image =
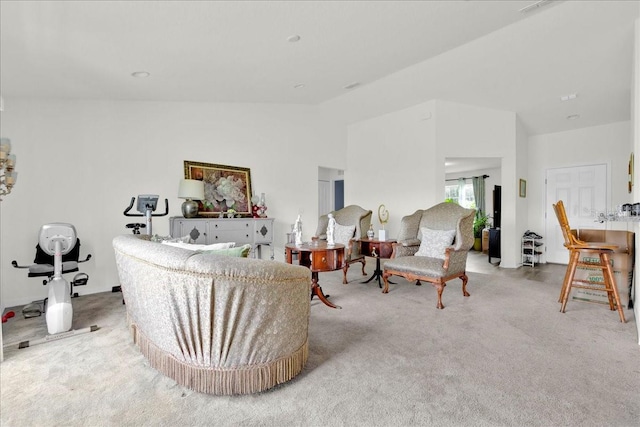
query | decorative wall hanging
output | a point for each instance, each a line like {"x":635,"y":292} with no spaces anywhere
{"x":226,"y":188}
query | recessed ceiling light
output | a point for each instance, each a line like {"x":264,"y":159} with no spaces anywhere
{"x":573,"y":117}
{"x":299,"y":86}
{"x":140,"y":74}
{"x":569,"y":97}
{"x":352,"y":85}
{"x":294,"y":38}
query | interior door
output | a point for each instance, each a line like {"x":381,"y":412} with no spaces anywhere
{"x":583,"y":189}
{"x":324,"y":197}
{"x":338,"y":194}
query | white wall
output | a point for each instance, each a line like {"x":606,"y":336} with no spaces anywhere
{"x":397,"y":159}
{"x":635,"y":125}
{"x":390,"y":161}
{"x":608,"y":144}
{"x":472,"y":131}
{"x":82,"y":161}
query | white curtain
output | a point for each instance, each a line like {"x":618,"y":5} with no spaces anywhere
{"x":461,"y":183}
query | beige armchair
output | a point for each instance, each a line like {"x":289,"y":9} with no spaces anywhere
{"x":432,"y":246}
{"x":349,"y":216}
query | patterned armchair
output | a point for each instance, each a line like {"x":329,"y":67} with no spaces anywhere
{"x":346,"y":218}
{"x":432,"y":246}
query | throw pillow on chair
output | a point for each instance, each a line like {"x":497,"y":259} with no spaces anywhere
{"x":434,"y":242}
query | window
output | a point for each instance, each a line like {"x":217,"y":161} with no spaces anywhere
{"x":466,"y":199}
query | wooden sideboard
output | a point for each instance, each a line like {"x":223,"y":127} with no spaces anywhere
{"x":255,"y":231}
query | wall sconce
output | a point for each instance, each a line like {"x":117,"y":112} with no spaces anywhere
{"x":191,"y":190}
{"x":7,"y":163}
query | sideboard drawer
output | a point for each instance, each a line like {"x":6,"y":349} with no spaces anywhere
{"x":230,"y":224}
{"x":224,"y":236}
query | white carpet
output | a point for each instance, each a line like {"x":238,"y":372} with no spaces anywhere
{"x":504,"y":356}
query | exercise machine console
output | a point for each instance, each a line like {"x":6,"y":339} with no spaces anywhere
{"x":147,"y":204}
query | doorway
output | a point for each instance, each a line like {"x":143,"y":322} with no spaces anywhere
{"x":583,"y":189}
{"x":330,"y":190}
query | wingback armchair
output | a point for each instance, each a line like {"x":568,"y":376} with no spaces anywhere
{"x":347,"y":217}
{"x":432,"y":246}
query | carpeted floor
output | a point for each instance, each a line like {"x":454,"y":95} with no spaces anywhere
{"x":504,"y":356}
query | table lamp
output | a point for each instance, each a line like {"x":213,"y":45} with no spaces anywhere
{"x":190,"y":189}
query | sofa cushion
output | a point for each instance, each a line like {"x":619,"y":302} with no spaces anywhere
{"x":344,"y":233}
{"x":240,"y":251}
{"x":198,"y":247}
{"x":420,"y":266}
{"x":434,"y":242}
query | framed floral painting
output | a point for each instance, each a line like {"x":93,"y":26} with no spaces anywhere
{"x":225,"y":187}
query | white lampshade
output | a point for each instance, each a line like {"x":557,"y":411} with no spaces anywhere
{"x":191,"y":189}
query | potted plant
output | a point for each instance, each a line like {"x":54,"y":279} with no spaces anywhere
{"x":479,"y":223}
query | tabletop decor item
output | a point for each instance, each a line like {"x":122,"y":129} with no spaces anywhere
{"x":331,"y":230}
{"x":225,"y":188}
{"x":297,"y":230}
{"x":192,"y":191}
{"x":383,"y":217}
{"x":262,"y":206}
{"x":370,"y":233}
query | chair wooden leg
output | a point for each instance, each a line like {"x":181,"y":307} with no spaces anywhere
{"x":571,"y":271}
{"x":344,"y":270}
{"x":385,"y":276}
{"x":439,"y":288}
{"x":612,"y":287}
{"x":606,"y":266}
{"x":364,"y":262}
{"x":465,"y":279}
{"x":565,"y":282}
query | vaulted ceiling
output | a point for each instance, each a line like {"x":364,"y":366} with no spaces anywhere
{"x":486,"y":53}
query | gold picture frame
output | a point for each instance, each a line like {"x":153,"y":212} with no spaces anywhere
{"x":523,"y":188}
{"x":225,"y":187}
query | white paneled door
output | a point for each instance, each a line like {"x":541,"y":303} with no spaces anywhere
{"x":583,"y":189}
{"x":324,"y":197}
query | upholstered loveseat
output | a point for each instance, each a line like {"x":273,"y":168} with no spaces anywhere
{"x":215,"y":324}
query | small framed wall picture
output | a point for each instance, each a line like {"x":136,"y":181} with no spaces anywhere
{"x":523,"y":188}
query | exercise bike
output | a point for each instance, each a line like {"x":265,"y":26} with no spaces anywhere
{"x":147,"y":204}
{"x":57,"y":240}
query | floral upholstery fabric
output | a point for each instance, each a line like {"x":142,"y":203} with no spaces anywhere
{"x":196,"y":247}
{"x":349,"y":215}
{"x":434,"y":242}
{"x":344,"y":233}
{"x":441,"y":236}
{"x":215,"y":324}
{"x":240,"y":251}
